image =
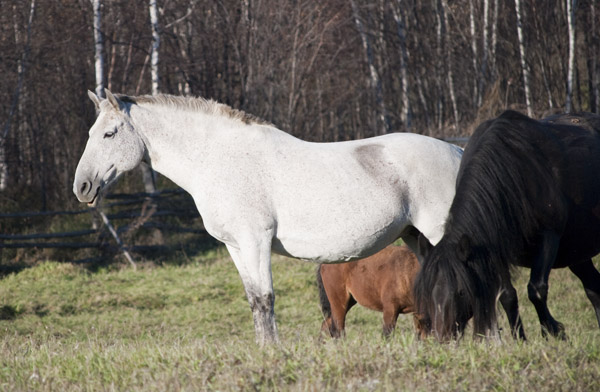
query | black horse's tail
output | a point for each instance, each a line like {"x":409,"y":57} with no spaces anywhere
{"x":323,"y":300}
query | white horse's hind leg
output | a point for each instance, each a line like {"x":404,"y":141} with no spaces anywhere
{"x":253,"y":262}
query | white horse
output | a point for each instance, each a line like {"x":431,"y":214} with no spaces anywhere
{"x":259,"y":189}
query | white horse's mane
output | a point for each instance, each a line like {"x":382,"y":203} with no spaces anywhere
{"x":199,"y":104}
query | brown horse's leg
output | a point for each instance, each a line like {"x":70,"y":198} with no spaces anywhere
{"x":338,"y":314}
{"x":340,"y":301}
{"x":390,"y":316}
{"x":590,"y":277}
{"x":326,"y":326}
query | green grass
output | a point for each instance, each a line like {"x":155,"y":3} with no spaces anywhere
{"x":189,"y":327}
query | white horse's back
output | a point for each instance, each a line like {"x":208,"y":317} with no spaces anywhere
{"x":341,"y":201}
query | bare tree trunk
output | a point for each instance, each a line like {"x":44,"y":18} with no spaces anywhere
{"x":419,"y":84}
{"x":439,"y":30}
{"x":541,"y":37}
{"x":148,"y":175}
{"x":444,"y":18}
{"x":398,"y":12}
{"x":375,"y":80}
{"x":476,"y":71}
{"x":21,"y":68}
{"x":321,"y":131}
{"x":292,"y":93}
{"x":184,"y":35}
{"x":524,"y":65}
{"x":571,"y":7}
{"x":248,"y":47}
{"x":484,"y":78}
{"x":494,"y":39}
{"x":594,"y":67}
{"x":155,"y":46}
{"x":381,"y":57}
{"x":98,"y":45}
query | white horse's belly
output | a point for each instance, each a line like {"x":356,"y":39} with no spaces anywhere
{"x":345,"y":248}
{"x":331,"y":235}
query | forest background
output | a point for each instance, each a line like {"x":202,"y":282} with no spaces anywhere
{"x":323,"y":71}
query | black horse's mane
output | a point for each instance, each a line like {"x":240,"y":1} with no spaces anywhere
{"x":501,"y":183}
{"x":494,"y":217}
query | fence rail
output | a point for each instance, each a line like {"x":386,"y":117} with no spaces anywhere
{"x":138,"y":210}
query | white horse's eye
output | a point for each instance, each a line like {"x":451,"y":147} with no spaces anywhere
{"x":109,"y":135}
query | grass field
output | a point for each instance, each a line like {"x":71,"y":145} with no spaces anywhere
{"x":189,"y":327}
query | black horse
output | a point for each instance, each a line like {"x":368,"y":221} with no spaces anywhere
{"x":527,"y":194}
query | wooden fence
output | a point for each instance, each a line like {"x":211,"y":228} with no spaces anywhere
{"x":167,"y":211}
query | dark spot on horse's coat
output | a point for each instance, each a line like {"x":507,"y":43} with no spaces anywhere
{"x":262,"y":303}
{"x":370,"y":158}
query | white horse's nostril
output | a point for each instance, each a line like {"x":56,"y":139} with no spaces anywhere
{"x":83,"y":188}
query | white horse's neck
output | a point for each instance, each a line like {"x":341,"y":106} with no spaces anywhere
{"x":182,"y":144}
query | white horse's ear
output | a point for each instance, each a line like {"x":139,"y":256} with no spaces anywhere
{"x":94,"y":99}
{"x":114,"y":101}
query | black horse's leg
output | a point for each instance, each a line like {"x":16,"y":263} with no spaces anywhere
{"x":417,"y":242}
{"x":590,"y":277}
{"x":510,"y":303}
{"x":537,"y":288}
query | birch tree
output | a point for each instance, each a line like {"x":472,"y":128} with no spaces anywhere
{"x":522,"y":52}
{"x":148,"y":175}
{"x":571,"y":7}
{"x":155,"y":46}
{"x":99,"y":63}
{"x":494,"y":38}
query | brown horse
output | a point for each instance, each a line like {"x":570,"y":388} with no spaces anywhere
{"x":382,"y":282}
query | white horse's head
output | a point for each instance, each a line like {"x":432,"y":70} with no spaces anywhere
{"x":113,"y":148}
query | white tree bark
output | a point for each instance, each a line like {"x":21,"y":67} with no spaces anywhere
{"x":148,"y":175}
{"x":571,"y":7}
{"x":98,"y":46}
{"x":522,"y":52}
{"x":375,"y":80}
{"x":155,"y":46}
{"x":494,"y":38}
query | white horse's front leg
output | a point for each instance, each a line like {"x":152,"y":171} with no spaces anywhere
{"x":253,"y":261}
